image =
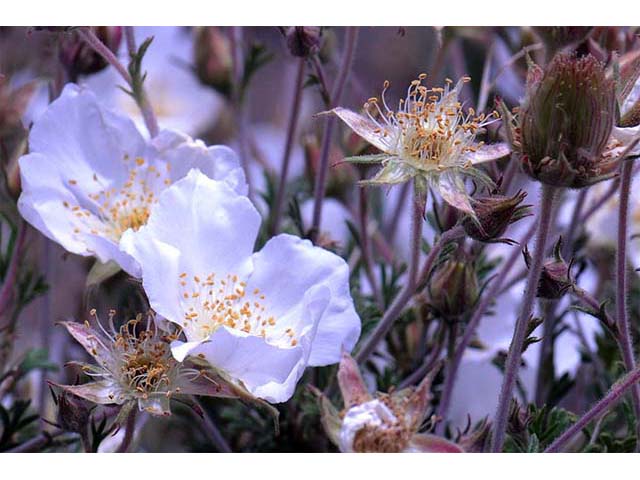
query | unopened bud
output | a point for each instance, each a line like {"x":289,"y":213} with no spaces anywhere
{"x":79,"y":58}
{"x":453,"y":289}
{"x":555,"y":279}
{"x":494,"y":214}
{"x":566,"y":121}
{"x":73,"y":413}
{"x":213,"y":60}
{"x":303,"y":41}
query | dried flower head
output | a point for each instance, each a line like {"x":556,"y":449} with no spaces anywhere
{"x":429,"y":138}
{"x":566,"y":122}
{"x":384,"y":422}
{"x":134,"y":364}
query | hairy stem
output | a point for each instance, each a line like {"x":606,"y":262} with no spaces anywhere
{"x":471,"y":328}
{"x":336,"y":97}
{"x":291,"y":130}
{"x":515,"y":349}
{"x":608,"y":401}
{"x":143,"y":103}
{"x":622,"y":286}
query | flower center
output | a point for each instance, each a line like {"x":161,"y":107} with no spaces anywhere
{"x":117,"y":209}
{"x":146,"y":363}
{"x":429,"y":129}
{"x":211,"y":302}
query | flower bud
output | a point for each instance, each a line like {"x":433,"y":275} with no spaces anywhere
{"x":79,"y":58}
{"x":566,"y":121}
{"x":494,"y":214}
{"x":341,"y":175}
{"x":303,"y":41}
{"x":453,"y":289}
{"x":213,"y":60}
{"x":73,"y":412}
{"x":555,"y":278}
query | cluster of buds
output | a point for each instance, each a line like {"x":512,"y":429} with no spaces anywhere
{"x":213,"y":58}
{"x":79,"y":58}
{"x":134,"y":364}
{"x":493,"y":214}
{"x":566,"y":121}
{"x":382,"y":422}
{"x":555,"y":279}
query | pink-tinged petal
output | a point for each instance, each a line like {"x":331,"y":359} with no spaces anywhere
{"x":363,"y":126}
{"x":207,"y":385}
{"x":419,"y":400}
{"x":425,"y":443}
{"x":92,"y":341}
{"x":452,"y":189}
{"x":103,"y":392}
{"x":488,"y":153}
{"x":354,"y":390}
{"x":286,"y":269}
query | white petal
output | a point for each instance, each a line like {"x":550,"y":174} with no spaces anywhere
{"x":183,"y":153}
{"x":284,"y":270}
{"x":626,"y":136}
{"x":267,"y":371}
{"x":212,"y":227}
{"x":363,"y":126}
{"x":488,"y":153}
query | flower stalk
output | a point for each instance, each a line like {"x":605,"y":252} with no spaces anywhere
{"x":515,"y":350}
{"x":351,"y":40}
{"x":622,"y":287}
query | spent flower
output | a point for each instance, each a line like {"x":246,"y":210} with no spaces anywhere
{"x":382,"y":423}
{"x":134,"y":364}
{"x":430,"y":138}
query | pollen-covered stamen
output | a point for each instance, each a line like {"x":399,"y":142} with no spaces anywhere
{"x":140,"y":359}
{"x":116,"y":209}
{"x":210,"y":302}
{"x":430,"y":129}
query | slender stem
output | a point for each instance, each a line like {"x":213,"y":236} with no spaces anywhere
{"x":622,"y":287}
{"x":8,"y":286}
{"x":515,"y":350}
{"x":239,"y":109}
{"x":549,"y":308}
{"x":409,"y":288}
{"x":397,"y":211}
{"x":336,"y":97}
{"x":143,"y":103}
{"x":608,"y":401}
{"x":37,"y":443}
{"x":471,"y":328}
{"x":129,"y":430}
{"x":212,"y":429}
{"x":149,"y":117}
{"x":365,"y":245}
{"x":291,"y":130}
{"x":104,"y":51}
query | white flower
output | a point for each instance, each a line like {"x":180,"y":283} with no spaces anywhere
{"x":258,"y":318}
{"x":369,"y":415}
{"x":178,"y":99}
{"x":90,"y":176}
